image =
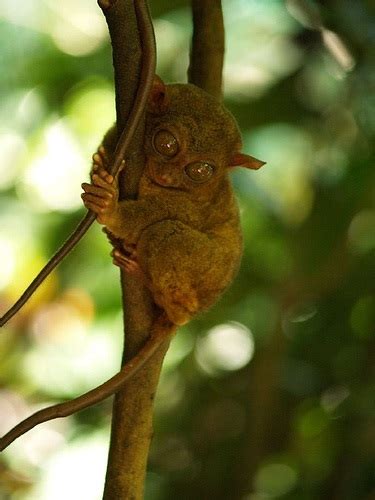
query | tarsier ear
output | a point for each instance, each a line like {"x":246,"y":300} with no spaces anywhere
{"x":247,"y":161}
{"x":158,"y":99}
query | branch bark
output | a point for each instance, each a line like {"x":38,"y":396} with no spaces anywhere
{"x":208,"y":46}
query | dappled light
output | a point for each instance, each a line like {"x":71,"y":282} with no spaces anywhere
{"x":51,"y":181}
{"x":275,"y":480}
{"x":84,"y":462}
{"x":270,"y":394}
{"x":260,"y":49}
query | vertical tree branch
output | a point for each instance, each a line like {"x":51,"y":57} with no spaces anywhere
{"x":133,"y":406}
{"x":208,"y":45}
{"x":132,"y":410}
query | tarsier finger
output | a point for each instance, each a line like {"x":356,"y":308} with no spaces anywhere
{"x":100,"y":159}
{"x":95,"y":208}
{"x":101,"y":172}
{"x":103,"y":183}
{"x":97,"y":191}
{"x":103,"y":154}
{"x":97,"y":158}
{"x":94,"y":200}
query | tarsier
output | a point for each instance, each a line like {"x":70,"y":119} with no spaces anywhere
{"x":182,"y":234}
{"x":181,"y":237}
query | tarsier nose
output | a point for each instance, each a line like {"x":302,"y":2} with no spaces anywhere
{"x":165,"y":179}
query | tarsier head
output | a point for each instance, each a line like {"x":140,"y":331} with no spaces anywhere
{"x":192,"y":140}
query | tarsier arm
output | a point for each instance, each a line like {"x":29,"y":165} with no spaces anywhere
{"x":146,"y":79}
{"x":126,"y":218}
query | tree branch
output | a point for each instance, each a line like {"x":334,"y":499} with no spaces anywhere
{"x":208,"y":45}
{"x":133,"y":405}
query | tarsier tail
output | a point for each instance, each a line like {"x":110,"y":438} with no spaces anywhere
{"x":162,"y":331}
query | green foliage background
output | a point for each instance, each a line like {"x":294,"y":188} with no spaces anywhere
{"x":271,"y":394}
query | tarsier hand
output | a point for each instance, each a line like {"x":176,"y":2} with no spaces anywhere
{"x":101,"y":196}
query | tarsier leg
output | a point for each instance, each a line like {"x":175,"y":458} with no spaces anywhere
{"x":166,"y":251}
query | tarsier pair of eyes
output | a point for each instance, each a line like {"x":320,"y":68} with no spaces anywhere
{"x":166,"y":144}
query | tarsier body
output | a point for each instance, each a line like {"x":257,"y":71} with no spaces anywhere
{"x":182,"y":234}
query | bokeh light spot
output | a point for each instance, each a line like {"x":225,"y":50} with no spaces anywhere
{"x":76,"y":27}
{"x":312,"y":422}
{"x":90,"y":112}
{"x":260,"y":49}
{"x":302,"y":313}
{"x":332,"y":398}
{"x":275,"y":480}
{"x":83,"y":462}
{"x":361,"y":232}
{"x":338,"y":50}
{"x":226,"y":347}
{"x":53,"y":179}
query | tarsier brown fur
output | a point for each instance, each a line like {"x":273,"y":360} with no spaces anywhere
{"x":182,"y":235}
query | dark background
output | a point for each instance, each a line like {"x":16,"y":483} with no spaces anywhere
{"x":271,"y":394}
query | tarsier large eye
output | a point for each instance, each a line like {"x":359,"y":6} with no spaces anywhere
{"x":199,"y":171}
{"x":165,"y":143}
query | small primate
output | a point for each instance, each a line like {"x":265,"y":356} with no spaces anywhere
{"x":182,"y":235}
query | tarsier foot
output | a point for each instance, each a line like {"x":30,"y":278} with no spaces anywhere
{"x":128,"y":262}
